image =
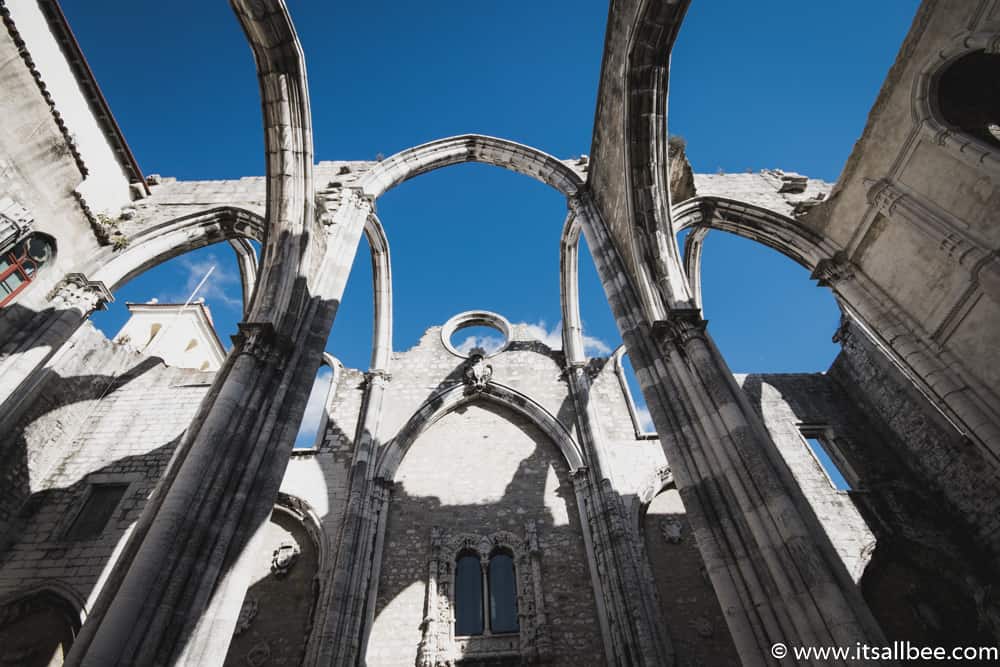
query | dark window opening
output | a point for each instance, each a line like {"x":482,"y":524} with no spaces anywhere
{"x":96,"y":511}
{"x":968,"y":96}
{"x":503,"y":594}
{"x":468,"y":596}
{"x":19,"y":265}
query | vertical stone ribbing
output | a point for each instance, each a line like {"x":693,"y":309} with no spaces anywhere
{"x":176,"y":595}
{"x":776,"y":576}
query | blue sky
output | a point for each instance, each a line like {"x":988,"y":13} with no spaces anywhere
{"x":782,"y":84}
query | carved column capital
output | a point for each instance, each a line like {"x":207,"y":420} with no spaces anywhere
{"x":261,"y":341}
{"x":832,"y":270}
{"x":377,"y":377}
{"x":883,"y":195}
{"x":681,"y":326}
{"x":76,"y":291}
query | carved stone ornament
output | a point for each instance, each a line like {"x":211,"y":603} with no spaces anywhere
{"x":261,"y":341}
{"x":284,"y":557}
{"x":247,"y":613}
{"x":681,"y":326}
{"x":672,"y":530}
{"x":76,"y":291}
{"x":833,"y":270}
{"x":478,"y":373}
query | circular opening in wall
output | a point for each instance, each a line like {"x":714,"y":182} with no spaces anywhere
{"x":476,"y":331}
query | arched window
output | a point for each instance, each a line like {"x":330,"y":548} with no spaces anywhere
{"x":968,"y":96}
{"x":19,"y":264}
{"x":503,"y":594}
{"x":468,"y":595}
{"x":500,"y":585}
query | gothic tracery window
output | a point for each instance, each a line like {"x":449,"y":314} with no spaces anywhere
{"x":498,"y":605}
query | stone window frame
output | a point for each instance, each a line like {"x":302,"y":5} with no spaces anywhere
{"x":967,"y":148}
{"x":827,"y":437}
{"x":129,"y":480}
{"x":439,"y":646}
{"x":325,"y":417}
{"x":20,"y":263}
{"x":633,"y":412}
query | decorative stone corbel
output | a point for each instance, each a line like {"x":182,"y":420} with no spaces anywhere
{"x":285,"y":557}
{"x":76,"y":291}
{"x":681,"y":326}
{"x":261,"y":341}
{"x":833,"y":270}
{"x":477,"y":373}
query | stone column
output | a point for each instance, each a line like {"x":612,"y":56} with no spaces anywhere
{"x":175,"y":593}
{"x":637,"y":630}
{"x":776,"y":575}
{"x":344,"y":622}
{"x":40,"y":337}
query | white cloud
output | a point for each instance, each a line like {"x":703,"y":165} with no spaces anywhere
{"x":223,"y":287}
{"x":489,"y":344}
{"x":314,"y":408}
{"x":553,"y":338}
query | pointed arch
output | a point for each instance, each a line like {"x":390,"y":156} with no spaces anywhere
{"x":456,"y":396}
{"x":158,"y":243}
{"x":504,"y":153}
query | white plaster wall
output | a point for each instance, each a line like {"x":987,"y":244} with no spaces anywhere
{"x":106,"y":188}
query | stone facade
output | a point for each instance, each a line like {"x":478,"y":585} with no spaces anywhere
{"x":153,"y":514}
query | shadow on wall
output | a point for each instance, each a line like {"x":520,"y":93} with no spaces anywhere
{"x":45,"y":554}
{"x":277,"y":613}
{"x":37,"y":630}
{"x":482,"y":469}
{"x":57,"y":400}
{"x":926,"y":582}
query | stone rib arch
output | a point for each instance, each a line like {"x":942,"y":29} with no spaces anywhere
{"x":378,"y":243}
{"x":772,"y":229}
{"x":503,"y":153}
{"x":157,"y":244}
{"x":458,"y":395}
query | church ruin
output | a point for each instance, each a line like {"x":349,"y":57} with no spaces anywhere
{"x":497,"y":506}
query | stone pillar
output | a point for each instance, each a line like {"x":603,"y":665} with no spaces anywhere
{"x":774,"y":571}
{"x":174,"y":592}
{"x":179,"y":593}
{"x":40,"y":337}
{"x":344,"y":621}
{"x":636,"y":627}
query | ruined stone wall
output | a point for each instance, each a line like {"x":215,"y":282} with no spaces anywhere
{"x":927,"y":446}
{"x":789,"y":403}
{"x":478,"y":471}
{"x":105,"y":415}
{"x":694,"y":619}
{"x":276,"y":616}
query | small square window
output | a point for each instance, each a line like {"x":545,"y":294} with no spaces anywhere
{"x":96,"y":511}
